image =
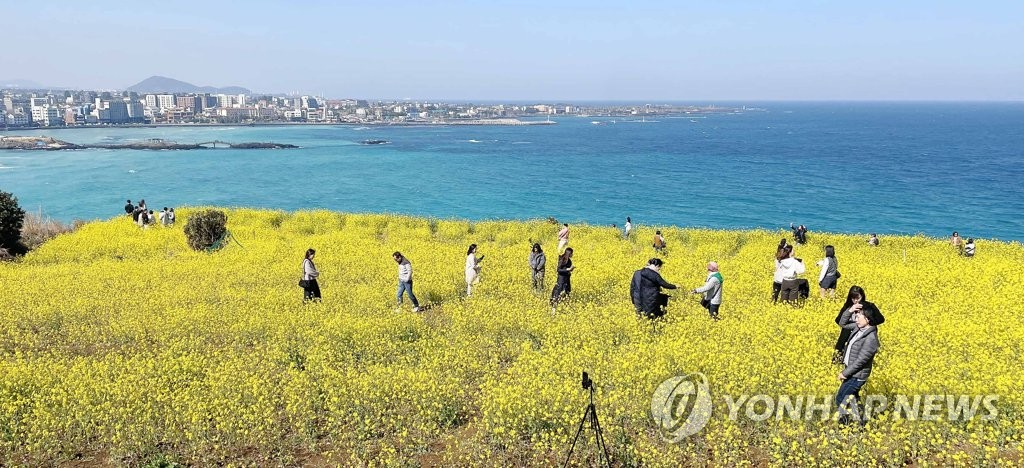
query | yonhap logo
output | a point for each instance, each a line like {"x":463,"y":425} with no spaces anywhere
{"x":681,"y":406}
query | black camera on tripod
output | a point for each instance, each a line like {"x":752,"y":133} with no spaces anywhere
{"x":590,"y":415}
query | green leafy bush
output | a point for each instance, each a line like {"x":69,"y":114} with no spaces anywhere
{"x":206,"y":229}
{"x":12,"y":217}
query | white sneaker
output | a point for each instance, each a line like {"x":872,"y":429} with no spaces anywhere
{"x":416,"y":309}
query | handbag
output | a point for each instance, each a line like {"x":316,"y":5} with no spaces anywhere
{"x":303,"y":283}
{"x":838,"y":274}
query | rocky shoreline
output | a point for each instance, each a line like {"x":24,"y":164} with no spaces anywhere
{"x":44,"y":143}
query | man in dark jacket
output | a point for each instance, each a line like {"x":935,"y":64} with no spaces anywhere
{"x":645,"y":290}
{"x":858,"y":357}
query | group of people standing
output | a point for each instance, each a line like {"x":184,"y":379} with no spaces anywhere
{"x":144,"y":217}
{"x":858,"y":319}
{"x":786,"y":282}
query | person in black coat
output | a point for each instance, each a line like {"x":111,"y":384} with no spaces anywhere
{"x":563,"y":286}
{"x":854,"y":297}
{"x":645,"y":290}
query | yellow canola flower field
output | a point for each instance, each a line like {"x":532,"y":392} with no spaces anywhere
{"x":122,"y":346}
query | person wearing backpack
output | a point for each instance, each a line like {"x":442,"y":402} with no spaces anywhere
{"x":712,"y":291}
{"x":309,"y":284}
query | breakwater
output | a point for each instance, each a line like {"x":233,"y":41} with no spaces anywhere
{"x":44,"y":143}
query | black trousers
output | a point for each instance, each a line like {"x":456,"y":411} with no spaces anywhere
{"x":563,"y":286}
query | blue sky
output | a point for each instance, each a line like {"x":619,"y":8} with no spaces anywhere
{"x":569,"y":50}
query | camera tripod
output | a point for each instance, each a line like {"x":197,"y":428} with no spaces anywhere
{"x":590,"y":414}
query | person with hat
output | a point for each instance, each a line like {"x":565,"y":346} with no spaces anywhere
{"x":712,"y":291}
{"x":861,"y":319}
{"x":645,"y":290}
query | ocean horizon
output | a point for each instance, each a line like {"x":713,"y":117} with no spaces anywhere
{"x":844,"y":167}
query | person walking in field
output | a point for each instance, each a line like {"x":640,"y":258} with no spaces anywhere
{"x":957,"y":243}
{"x":628,"y":228}
{"x":129,"y":208}
{"x":563,"y":238}
{"x":659,"y":242}
{"x":163,"y":217}
{"x":712,"y":291}
{"x":645,"y":290}
{"x":170,"y":217}
{"x":858,"y":357}
{"x":472,"y":269}
{"x":829,"y":276}
{"x":538,"y":261}
{"x":405,"y":280}
{"x":563,"y":286}
{"x":310,"y":286}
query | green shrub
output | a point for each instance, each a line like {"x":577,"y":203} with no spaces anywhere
{"x":206,"y":228}
{"x":11,"y":219}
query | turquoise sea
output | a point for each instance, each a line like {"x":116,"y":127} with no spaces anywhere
{"x":904,"y":168}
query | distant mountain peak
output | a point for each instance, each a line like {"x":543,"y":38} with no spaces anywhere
{"x":163,"y":84}
{"x":20,"y":84}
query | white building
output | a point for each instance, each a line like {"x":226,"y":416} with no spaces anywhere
{"x":47,"y":115}
{"x":165,"y":101}
{"x":151,"y":101}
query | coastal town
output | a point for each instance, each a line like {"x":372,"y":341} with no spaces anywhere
{"x":22,"y":108}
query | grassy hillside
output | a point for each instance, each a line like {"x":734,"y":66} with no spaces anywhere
{"x":122,"y":346}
